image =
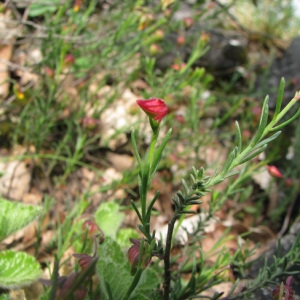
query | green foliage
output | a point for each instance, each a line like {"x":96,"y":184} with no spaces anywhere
{"x":111,"y":52}
{"x":37,"y":9}
{"x":14,"y":216}
{"x":17,"y":269}
{"x":265,"y":19}
{"x":109,"y":218}
{"x":114,"y":275}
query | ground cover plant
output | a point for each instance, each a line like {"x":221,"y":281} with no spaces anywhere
{"x":128,"y":176}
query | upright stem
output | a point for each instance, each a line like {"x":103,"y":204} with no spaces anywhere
{"x":152,"y":146}
{"x":167,"y":279}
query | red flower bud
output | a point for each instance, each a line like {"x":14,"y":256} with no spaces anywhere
{"x":90,"y":227}
{"x":274,"y":172}
{"x":180,"y":118}
{"x":188,"y":22}
{"x":180,"y":40}
{"x":134,"y":252}
{"x":84,"y":260}
{"x":178,"y":67}
{"x":154,"y":49}
{"x":159,"y":34}
{"x":134,"y":255}
{"x":154,"y":108}
{"x":288,"y":182}
{"x":49,"y":72}
{"x":69,"y":59}
{"x":77,"y":5}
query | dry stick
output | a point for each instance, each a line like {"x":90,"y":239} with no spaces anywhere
{"x":167,"y":279}
{"x":287,"y":218}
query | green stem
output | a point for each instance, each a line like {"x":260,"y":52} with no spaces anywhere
{"x":134,"y":283}
{"x":270,"y":126}
{"x":167,"y":275}
{"x":152,"y":146}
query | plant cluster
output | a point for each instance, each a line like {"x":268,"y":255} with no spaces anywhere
{"x":92,"y":54}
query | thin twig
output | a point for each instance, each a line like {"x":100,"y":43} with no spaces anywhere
{"x":14,"y":67}
{"x":287,"y":218}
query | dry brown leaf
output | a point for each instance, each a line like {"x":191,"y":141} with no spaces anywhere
{"x":120,"y":162}
{"x":5,"y":55}
{"x":15,"y":182}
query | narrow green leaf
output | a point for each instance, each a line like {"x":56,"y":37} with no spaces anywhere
{"x":135,"y":149}
{"x":142,"y":229}
{"x":229,"y":160}
{"x":17,"y":269}
{"x":253,"y":154}
{"x":15,"y":215}
{"x":262,"y":122}
{"x":297,"y":114}
{"x":279,"y":97}
{"x":185,"y":186}
{"x":136,"y":210}
{"x":267,"y":140}
{"x":159,"y":151}
{"x":192,"y":212}
{"x":231,"y":174}
{"x":148,"y":215}
{"x":238,"y":136}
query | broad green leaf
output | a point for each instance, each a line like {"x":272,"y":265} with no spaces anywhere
{"x":113,"y":269}
{"x":123,"y":236}
{"x":147,"y":284}
{"x":17,"y":269}
{"x":109,"y":219}
{"x":15,"y":215}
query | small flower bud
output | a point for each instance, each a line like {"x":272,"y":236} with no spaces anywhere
{"x":145,"y":21}
{"x":155,"y":108}
{"x":288,"y":182}
{"x":159,"y":34}
{"x":205,"y":36}
{"x":180,"y":118}
{"x":69,"y":59}
{"x":49,"y":72}
{"x":91,"y":227}
{"x":154,"y":49}
{"x":274,"y":172}
{"x":84,"y":260}
{"x":180,"y":40}
{"x":188,"y":22}
{"x":77,"y":5}
{"x":178,"y":67}
{"x":134,"y":255}
{"x":90,"y":123}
